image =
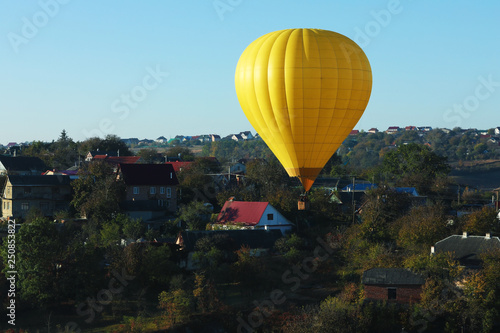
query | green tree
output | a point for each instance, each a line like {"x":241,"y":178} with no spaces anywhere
{"x":382,"y":207}
{"x":111,"y":143}
{"x":195,"y":214}
{"x":38,"y":247}
{"x":149,"y":155}
{"x":97,"y":193}
{"x":185,"y":154}
{"x":415,"y":165}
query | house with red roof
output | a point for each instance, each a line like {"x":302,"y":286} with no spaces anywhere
{"x":151,"y":190}
{"x":253,"y":215}
{"x":393,"y":130}
{"x":179,"y":166}
{"x":116,"y":160}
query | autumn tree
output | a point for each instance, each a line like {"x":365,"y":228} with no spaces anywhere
{"x":421,"y":227}
{"x":381,"y":208}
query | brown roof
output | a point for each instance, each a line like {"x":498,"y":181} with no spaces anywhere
{"x":148,"y":174}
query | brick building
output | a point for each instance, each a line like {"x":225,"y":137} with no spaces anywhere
{"x":397,"y":285}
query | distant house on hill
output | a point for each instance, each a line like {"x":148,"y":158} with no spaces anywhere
{"x":214,"y":137}
{"x":253,"y":215}
{"x":396,"y":285}
{"x":410,"y":128}
{"x":237,"y":137}
{"x":354,"y":132}
{"x":246,"y":135}
{"x":497,"y":130}
{"x":393,"y":130}
{"x":21,"y":165}
{"x":131,"y":141}
{"x":161,"y":140}
{"x":373,"y":130}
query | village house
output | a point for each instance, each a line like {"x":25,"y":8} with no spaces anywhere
{"x":114,"y":161}
{"x":151,"y":190}
{"x":246,"y":135}
{"x":161,"y":140}
{"x":396,"y":285}
{"x":393,"y":130}
{"x":49,"y":194}
{"x":21,"y":165}
{"x":252,"y":215}
{"x":467,"y":249}
{"x":214,"y":137}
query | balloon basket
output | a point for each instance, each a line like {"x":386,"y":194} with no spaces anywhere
{"x":303,"y":203}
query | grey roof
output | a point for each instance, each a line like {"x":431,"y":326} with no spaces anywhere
{"x":392,"y":276}
{"x":467,"y":248}
{"x":52,"y":180}
{"x":255,"y":239}
{"x":22,"y":163}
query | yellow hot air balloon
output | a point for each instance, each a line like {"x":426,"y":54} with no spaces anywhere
{"x":303,"y":91}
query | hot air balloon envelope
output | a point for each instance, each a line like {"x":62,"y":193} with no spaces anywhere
{"x":303,"y":91}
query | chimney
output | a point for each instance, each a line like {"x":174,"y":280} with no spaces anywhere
{"x":464,"y":235}
{"x":488,"y":236}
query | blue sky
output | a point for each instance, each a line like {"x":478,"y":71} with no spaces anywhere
{"x":70,"y":64}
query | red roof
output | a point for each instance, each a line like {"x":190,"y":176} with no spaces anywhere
{"x":118,"y":159}
{"x":354,"y":132}
{"x":179,"y":165}
{"x":246,"y":212}
{"x":148,"y":174}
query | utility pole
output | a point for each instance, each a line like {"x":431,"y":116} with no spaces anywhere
{"x":353,"y":202}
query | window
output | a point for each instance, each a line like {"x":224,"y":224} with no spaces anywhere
{"x":169,"y":192}
{"x":391,"y":293}
{"x":136,"y":190}
{"x":27,"y":190}
{"x":162,"y":190}
{"x":152,"y":190}
{"x":270,"y":217}
{"x":25,"y":206}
